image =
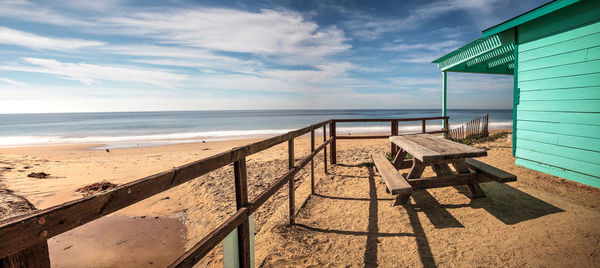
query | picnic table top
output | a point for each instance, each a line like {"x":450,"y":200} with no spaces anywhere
{"x":431,"y":149}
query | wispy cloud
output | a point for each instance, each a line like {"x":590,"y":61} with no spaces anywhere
{"x":13,"y":82}
{"x":370,"y":27}
{"x":267,"y":32}
{"x":19,"y":38}
{"x":90,"y":74}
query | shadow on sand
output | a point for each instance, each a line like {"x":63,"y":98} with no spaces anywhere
{"x":504,"y":202}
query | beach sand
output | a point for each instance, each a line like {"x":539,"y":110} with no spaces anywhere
{"x":540,"y":220}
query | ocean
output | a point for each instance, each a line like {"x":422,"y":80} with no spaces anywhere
{"x":139,"y":129}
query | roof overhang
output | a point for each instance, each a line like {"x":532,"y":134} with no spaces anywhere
{"x":528,"y":16}
{"x":490,"y":55}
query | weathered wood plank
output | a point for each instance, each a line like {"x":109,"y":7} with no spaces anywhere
{"x":416,"y":170}
{"x":292,"y":196}
{"x":333,"y":157}
{"x":430,"y":149}
{"x":362,"y":137}
{"x":388,"y":119}
{"x":490,"y":171}
{"x":395,"y":183}
{"x":399,"y":159}
{"x":241,"y":200}
{"x":444,"y":181}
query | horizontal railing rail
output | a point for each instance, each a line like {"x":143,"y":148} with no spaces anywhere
{"x":26,"y":231}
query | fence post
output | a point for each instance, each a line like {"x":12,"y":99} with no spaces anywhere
{"x":241,"y":200}
{"x":325,"y":149}
{"x":423,"y":126}
{"x":394,"y":132}
{"x":333,"y":157}
{"x":312,"y":162}
{"x":292,"y":203}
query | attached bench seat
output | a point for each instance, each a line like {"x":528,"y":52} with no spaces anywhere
{"x":395,"y":183}
{"x":490,"y":172}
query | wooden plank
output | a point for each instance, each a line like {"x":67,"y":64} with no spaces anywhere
{"x":416,"y":150}
{"x":34,"y":256}
{"x":429,"y":149}
{"x":576,"y":130}
{"x":399,"y":159}
{"x":462,"y":168}
{"x":586,"y":106}
{"x":444,"y":181}
{"x":560,"y":172}
{"x":490,"y":171}
{"x":387,"y":119}
{"x":394,"y":132}
{"x":416,"y":170}
{"x":592,"y":144}
{"x":362,"y":137}
{"x":395,"y":183}
{"x":332,"y":157}
{"x":423,"y":129}
{"x":312,"y":162}
{"x":578,"y":93}
{"x":241,"y":200}
{"x":325,"y":150}
{"x":291,"y":195}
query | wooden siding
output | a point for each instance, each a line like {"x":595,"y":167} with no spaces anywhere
{"x":558,"y":124}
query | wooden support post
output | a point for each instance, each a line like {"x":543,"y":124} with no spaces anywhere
{"x":34,"y":256}
{"x":462,"y":168}
{"x":423,"y":130}
{"x":333,"y":157}
{"x":292,"y":201}
{"x":312,"y":162}
{"x":241,"y":200}
{"x":325,"y":149}
{"x":446,"y":127}
{"x":394,"y":132}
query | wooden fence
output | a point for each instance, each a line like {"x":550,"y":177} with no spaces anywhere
{"x":477,"y":126}
{"x":21,"y":235}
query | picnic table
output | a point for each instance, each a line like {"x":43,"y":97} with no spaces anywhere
{"x":438,"y":153}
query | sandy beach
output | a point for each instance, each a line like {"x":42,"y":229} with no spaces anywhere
{"x":540,"y":220}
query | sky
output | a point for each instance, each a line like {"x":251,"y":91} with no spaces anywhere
{"x":95,"y":56}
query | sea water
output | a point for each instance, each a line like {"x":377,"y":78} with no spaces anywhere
{"x":136,"y":129}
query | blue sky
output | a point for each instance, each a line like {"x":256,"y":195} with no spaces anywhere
{"x":88,"y":56}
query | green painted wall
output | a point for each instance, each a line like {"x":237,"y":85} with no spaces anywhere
{"x":558,"y":123}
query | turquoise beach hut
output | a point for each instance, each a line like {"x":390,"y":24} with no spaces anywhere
{"x":553,"y":53}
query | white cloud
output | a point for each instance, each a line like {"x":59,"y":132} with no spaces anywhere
{"x":433,"y":46}
{"x":20,"y":38}
{"x":268,"y":32}
{"x":184,"y":57}
{"x":90,"y":74}
{"x":13,"y":82}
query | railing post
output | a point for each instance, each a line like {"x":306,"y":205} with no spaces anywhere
{"x":333,"y":157}
{"x":241,"y":200}
{"x":312,"y":162}
{"x":292,"y":203}
{"x":447,"y":127}
{"x":34,"y":256}
{"x":394,"y":132}
{"x":423,"y":129}
{"x":325,"y":149}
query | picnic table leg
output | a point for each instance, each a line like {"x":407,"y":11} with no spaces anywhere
{"x":416,"y":170}
{"x":401,"y":199}
{"x":399,"y":158}
{"x":475,"y":189}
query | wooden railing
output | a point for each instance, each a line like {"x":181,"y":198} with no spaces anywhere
{"x":478,"y":126}
{"x":28,"y":231}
